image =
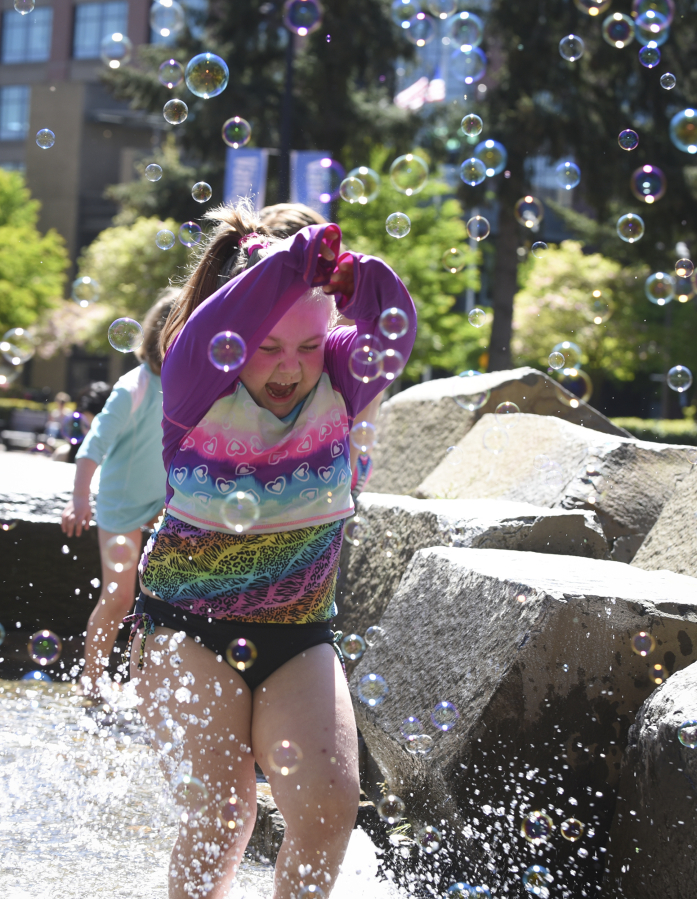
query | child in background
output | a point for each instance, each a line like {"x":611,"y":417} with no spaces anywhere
{"x":233,"y":656}
{"x":90,"y":402}
{"x":126,"y":440}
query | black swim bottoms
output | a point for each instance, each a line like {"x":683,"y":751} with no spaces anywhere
{"x":275,"y":644}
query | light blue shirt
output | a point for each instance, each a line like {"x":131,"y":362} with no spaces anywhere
{"x":126,"y":440}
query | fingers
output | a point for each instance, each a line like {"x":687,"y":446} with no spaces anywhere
{"x":326,"y":251}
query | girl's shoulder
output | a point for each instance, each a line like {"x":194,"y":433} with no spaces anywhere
{"x":137,"y":383}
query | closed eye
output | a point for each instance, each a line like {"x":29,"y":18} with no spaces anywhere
{"x":311,"y":348}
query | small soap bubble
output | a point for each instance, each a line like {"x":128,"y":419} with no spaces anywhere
{"x":537,"y":828}
{"x":429,"y":839}
{"x":474,"y":401}
{"x":170,"y":73}
{"x":120,"y":553}
{"x":421,"y":30}
{"x":495,"y":440}
{"x":668,"y":81}
{"x":539,"y":249}
{"x":409,"y":174}
{"x":372,"y":689}
{"x":201,"y":192}
{"x":454,"y":260}
{"x":472,"y":125}
{"x":45,"y":138}
{"x":648,"y":183}
{"x":116,"y":50}
{"x":684,"y":268}
{"x":206,"y":75}
{"x":536,"y":880}
{"x":125,"y":335}
{"x":165,"y":240}
{"x":683,"y":130}
{"x":190,"y":796}
{"x":467,"y":29}
{"x":236,"y":132}
{"x":167,"y":18}
{"x":353,"y":647}
{"x":74,"y":428}
{"x":352,"y":189}
{"x":285,"y":757}
{"x":393,"y":323}
{"x":365,"y":362}
{"x":541,"y":462}
{"x":556,"y":361}
{"x":478,"y":228}
{"x":302,"y":17}
{"x":419,"y":744}
{"x":572,"y":829}
{"x":618,"y":30}
{"x":370,"y":180}
{"x":571,"y":47}
{"x":506,"y":414}
{"x":528,"y":212}
{"x":241,"y":654}
{"x":571,"y":352}
{"x":357,"y":530}
{"x":650,"y":55}
{"x":628,"y":139}
{"x":444,"y":716}
{"x":398,"y":224}
{"x":390,"y":543}
{"x":494,"y":156}
{"x":45,"y":647}
{"x":658,"y":674}
{"x":454,"y":456}
{"x":568,"y":175}
{"x":190,"y":234}
{"x":175,"y":112}
{"x":679,"y":378}
{"x":411,"y":727}
{"x":227,"y":351}
{"x":392,"y":364}
{"x":362,"y":436}
{"x":687,"y":734}
{"x":240,"y":510}
{"x":630,"y":227}
{"x":18,"y":346}
{"x":473,"y":171}
{"x":24,"y":6}
{"x":153,"y":172}
{"x":660,"y":288}
{"x":85,"y":291}
{"x":391,"y":808}
{"x":375,"y":635}
{"x":232,"y":813}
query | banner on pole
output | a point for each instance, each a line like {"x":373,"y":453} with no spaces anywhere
{"x":245,"y":175}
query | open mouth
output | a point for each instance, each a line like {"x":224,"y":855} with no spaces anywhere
{"x":280,"y":392}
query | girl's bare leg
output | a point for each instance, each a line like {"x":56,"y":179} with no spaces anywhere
{"x":213,"y":746}
{"x":307,"y":703}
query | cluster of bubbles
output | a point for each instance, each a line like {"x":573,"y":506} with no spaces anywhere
{"x":369,"y":359}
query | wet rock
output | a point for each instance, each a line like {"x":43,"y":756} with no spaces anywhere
{"x":551,"y":462}
{"x":418,"y":425}
{"x":653,"y":841}
{"x":400,"y":525}
{"x":535,"y":653}
{"x":267,"y":835}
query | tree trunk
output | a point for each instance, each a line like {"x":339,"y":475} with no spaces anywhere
{"x":504,"y":289}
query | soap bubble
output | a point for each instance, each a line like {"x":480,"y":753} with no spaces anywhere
{"x":618,"y":30}
{"x":659,"y":288}
{"x":571,"y":352}
{"x":353,"y":647}
{"x":419,"y":744}
{"x":241,"y":654}
{"x":45,"y":138}
{"x":392,"y":364}
{"x":628,"y":139}
{"x":478,"y":228}
{"x":658,"y":674}
{"x":572,"y":829}
{"x":454,"y":260}
{"x":125,"y":335}
{"x":240,"y":510}
{"x":465,"y":891}
{"x":190,"y":795}
{"x":165,"y":239}
{"x":232,"y":813}
{"x":684,"y":268}
{"x":506,"y":414}
{"x":630,"y":227}
{"x":285,"y":757}
{"x":467,"y":30}
{"x":403,"y":10}
{"x":398,"y":224}
{"x":352,"y":190}
{"x":120,"y":553}
{"x":495,"y":440}
{"x":539,"y":249}
{"x":206,"y":75}
{"x":411,"y":727}
{"x":175,"y":112}
{"x":153,"y":172}
{"x":390,"y":544}
{"x":683,"y":130}
{"x":541,"y":462}
{"x":74,"y":427}
{"x":568,"y":175}
{"x":444,"y":716}
{"x":365,"y":362}
{"x":668,"y":81}
{"x":473,"y":171}
{"x":472,"y":125}
{"x":85,"y":291}
{"x":578,"y":384}
{"x":311,"y":891}
{"x":36,"y":676}
{"x":592,"y":7}
{"x":357,"y":530}
{"x":302,"y":17}
{"x":535,"y":881}
{"x":3,"y":634}
{"x":494,"y":156}
{"x":600,"y":310}
{"x":687,"y":734}
{"x":324,"y":177}
{"x":394,"y":323}
{"x":363,"y":436}
{"x":476,"y":317}
{"x":442,"y":9}
{"x":167,"y":18}
{"x":375,"y":635}
{"x":679,"y":378}
{"x":468,"y":64}
{"x":371,"y":182}
{"x":429,"y":839}
{"x":529,"y":211}
{"x":649,"y":56}
{"x":571,"y":47}
{"x":45,"y":647}
{"x":648,"y":183}
{"x":116,"y":50}
{"x":190,"y":234}
{"x":421,"y":30}
{"x":227,"y":351}
{"x":556,"y":361}
{"x":201,"y":192}
{"x":24,"y":6}
{"x":17,"y":346}
{"x":409,"y":174}
{"x":454,"y":456}
{"x":236,"y":132}
{"x":684,"y":289}
{"x":391,"y":808}
{"x":372,"y":689}
{"x":170,"y":73}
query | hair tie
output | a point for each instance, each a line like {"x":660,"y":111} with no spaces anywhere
{"x":252,"y":242}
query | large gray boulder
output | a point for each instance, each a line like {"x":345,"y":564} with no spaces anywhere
{"x":653,"y":842}
{"x":535,"y":652}
{"x":551,"y":462}
{"x":672,"y":542}
{"x":400,"y":525}
{"x":418,"y":425}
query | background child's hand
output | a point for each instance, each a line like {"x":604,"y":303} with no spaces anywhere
{"x":76,"y":516}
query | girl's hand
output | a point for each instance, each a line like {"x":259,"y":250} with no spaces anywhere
{"x":76,"y":516}
{"x":341,"y":280}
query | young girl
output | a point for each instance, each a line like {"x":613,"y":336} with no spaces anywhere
{"x":276,"y":433}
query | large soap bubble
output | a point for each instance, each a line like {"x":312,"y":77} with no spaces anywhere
{"x":473,"y":171}
{"x":404,"y":10}
{"x":227,"y":351}
{"x":628,"y":139}
{"x":679,"y":378}
{"x":175,"y":112}
{"x":568,"y":175}
{"x":648,"y":183}
{"x":236,"y":132}
{"x":409,"y":174}
{"x":398,"y":224}
{"x":529,"y":212}
{"x":170,"y":73}
{"x":18,"y":346}
{"x":372,"y":689}
{"x":45,"y":647}
{"x":571,"y":47}
{"x":494,"y":156}
{"x":537,"y":828}
{"x":683,"y":130}
{"x":371,"y":182}
{"x":240,"y":511}
{"x":660,"y":288}
{"x":167,"y":18}
{"x":467,"y":29}
{"x":206,"y":75}
{"x":650,"y":56}
{"x":468,"y":64}
{"x":45,"y":138}
{"x":630,"y":227}
{"x":116,"y":50}
{"x":125,"y":335}
{"x":421,"y":30}
{"x":302,"y":17}
{"x":618,"y":30}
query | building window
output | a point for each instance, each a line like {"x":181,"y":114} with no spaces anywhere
{"x":14,"y":112}
{"x":94,"y":22}
{"x":27,"y":38}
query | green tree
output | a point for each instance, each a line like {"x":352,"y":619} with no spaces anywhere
{"x":32,"y":265}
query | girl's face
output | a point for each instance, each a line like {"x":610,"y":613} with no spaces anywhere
{"x":290,"y":360}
